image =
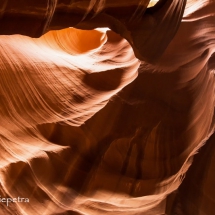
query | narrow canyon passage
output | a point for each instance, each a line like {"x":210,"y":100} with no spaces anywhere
{"x":104,"y":106}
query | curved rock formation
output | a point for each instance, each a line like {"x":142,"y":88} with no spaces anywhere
{"x":104,"y":105}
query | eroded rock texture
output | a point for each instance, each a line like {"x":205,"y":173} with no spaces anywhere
{"x":104,"y":105}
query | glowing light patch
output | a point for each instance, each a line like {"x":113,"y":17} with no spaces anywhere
{"x":153,"y":3}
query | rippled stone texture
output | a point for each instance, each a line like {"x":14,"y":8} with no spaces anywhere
{"x":104,"y":104}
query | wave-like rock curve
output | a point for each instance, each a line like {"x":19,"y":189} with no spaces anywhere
{"x":104,"y":104}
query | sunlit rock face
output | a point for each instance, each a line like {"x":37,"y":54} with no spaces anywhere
{"x":104,"y":105}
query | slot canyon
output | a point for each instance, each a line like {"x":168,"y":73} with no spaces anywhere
{"x":107,"y":107}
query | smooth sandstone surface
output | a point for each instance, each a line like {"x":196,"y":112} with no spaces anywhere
{"x":104,"y":106}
